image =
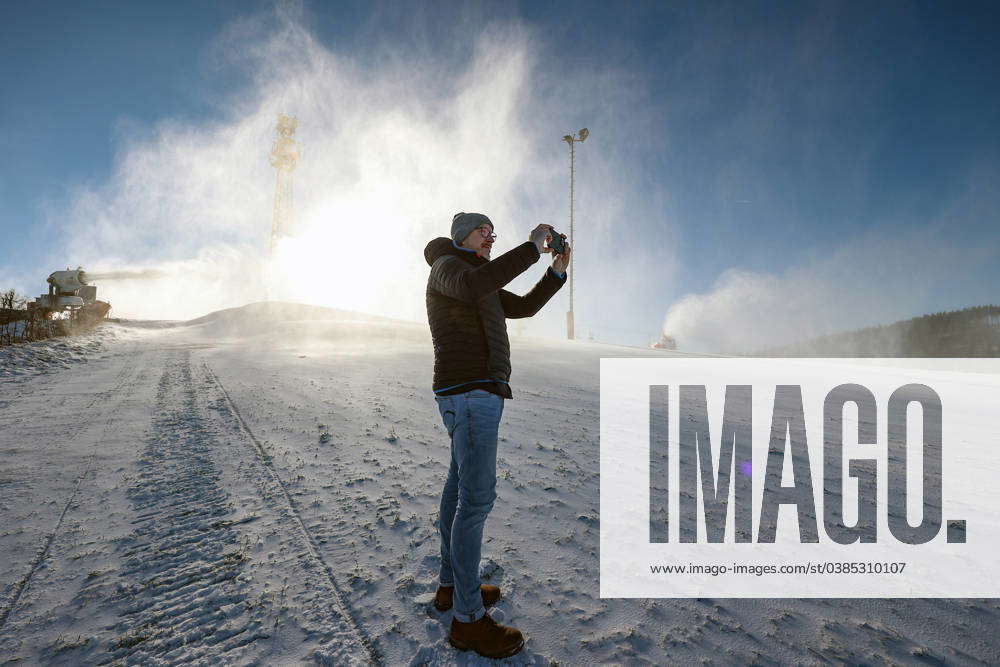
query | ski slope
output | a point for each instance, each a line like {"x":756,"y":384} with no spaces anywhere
{"x":261,"y":486}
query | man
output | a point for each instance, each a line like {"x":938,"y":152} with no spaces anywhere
{"x":467,"y":309}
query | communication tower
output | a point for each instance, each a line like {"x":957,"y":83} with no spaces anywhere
{"x":284,"y":156}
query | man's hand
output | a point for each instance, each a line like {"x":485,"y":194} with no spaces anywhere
{"x":539,"y":235}
{"x":561,"y":262}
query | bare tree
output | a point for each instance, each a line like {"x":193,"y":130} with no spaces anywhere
{"x":12,"y":315}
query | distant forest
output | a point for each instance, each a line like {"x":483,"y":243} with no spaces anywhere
{"x":971,"y":332}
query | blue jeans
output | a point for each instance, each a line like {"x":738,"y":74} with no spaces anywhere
{"x":472,"y":420}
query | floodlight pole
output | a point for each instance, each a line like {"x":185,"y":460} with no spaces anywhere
{"x":572,"y":140}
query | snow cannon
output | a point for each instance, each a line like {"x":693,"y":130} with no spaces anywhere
{"x":665,"y":343}
{"x":69,"y":291}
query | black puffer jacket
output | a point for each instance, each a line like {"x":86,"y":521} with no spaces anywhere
{"x":467,"y":311}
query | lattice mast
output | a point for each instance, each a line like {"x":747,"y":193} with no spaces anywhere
{"x":284,"y":157}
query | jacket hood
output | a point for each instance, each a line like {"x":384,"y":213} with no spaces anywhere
{"x":445,"y":246}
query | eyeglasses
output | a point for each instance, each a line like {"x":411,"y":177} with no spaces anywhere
{"x":486,"y":233}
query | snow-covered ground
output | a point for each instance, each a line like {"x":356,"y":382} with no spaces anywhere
{"x":52,"y":354}
{"x":261,"y":486}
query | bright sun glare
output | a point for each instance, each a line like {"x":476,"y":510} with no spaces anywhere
{"x":345,"y":255}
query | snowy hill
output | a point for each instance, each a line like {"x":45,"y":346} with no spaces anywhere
{"x":261,"y":485}
{"x":275,"y":311}
{"x":303,"y":322}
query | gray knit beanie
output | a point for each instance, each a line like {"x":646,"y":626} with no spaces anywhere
{"x":463,"y":224}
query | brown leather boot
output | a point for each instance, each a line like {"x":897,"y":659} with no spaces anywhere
{"x":445,"y":595}
{"x":486,"y":637}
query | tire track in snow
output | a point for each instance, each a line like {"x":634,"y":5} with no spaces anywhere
{"x":188,"y":596}
{"x":102,"y":397}
{"x":255,"y":446}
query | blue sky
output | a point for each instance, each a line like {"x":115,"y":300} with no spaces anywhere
{"x":754,"y":146}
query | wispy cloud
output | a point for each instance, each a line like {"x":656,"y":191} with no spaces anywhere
{"x":872,"y":279}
